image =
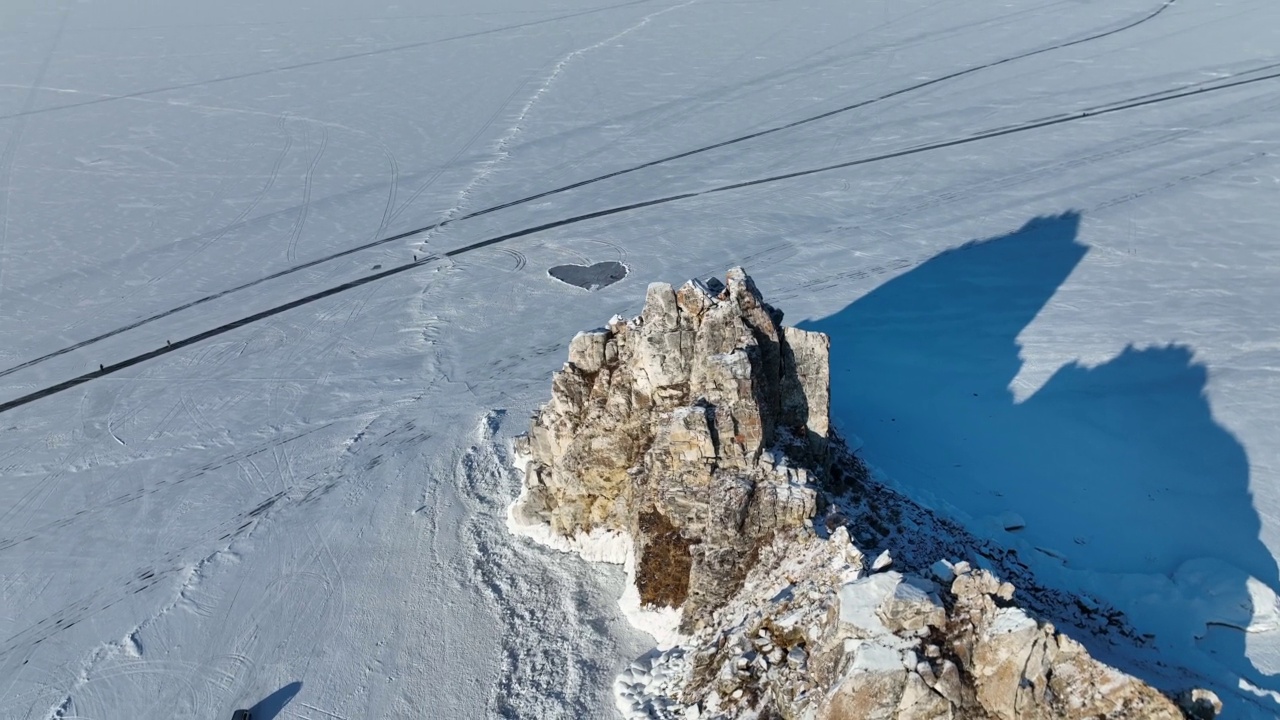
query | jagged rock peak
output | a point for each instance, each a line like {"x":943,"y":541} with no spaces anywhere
{"x":695,"y":427}
{"x":692,"y":443}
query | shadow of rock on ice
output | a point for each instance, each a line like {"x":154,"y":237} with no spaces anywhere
{"x":1114,"y":480}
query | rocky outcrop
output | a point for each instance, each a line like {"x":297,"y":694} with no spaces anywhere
{"x":696,"y":436}
{"x":812,"y":634}
{"x":681,"y":428}
{"x":975,"y":655}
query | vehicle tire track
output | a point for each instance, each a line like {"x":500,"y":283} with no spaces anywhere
{"x":18,"y":518}
{"x":824,"y":282}
{"x":1180,"y":180}
{"x":830,"y":113}
{"x":272,"y":176}
{"x":722,"y":95}
{"x":317,"y":63}
{"x":176,"y":565}
{"x":392,"y":189}
{"x":475,"y":137}
{"x":616,"y":247}
{"x":518,"y":257}
{"x":292,"y":253}
{"x":87,"y":514}
{"x":572,"y":186}
{"x":167,"y":565}
{"x":934,"y":200}
{"x":208,"y":239}
{"x":502,"y":147}
{"x":15,"y":140}
{"x":771,"y":255}
{"x":1051,"y":121}
{"x":262,"y":194}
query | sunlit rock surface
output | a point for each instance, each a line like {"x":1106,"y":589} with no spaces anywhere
{"x":695,"y":437}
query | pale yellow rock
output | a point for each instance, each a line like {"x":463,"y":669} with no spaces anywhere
{"x":920,"y":702}
{"x":867,"y":695}
{"x":586,"y":350}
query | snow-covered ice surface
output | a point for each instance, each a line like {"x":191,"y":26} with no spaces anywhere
{"x":1045,"y":252}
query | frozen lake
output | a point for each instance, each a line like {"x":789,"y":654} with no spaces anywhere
{"x":274,"y":283}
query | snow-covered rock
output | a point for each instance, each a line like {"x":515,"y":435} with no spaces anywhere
{"x":692,"y":444}
{"x":694,"y":429}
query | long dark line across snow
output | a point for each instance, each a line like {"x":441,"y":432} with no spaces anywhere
{"x":1032,"y":125}
{"x":564,"y":188}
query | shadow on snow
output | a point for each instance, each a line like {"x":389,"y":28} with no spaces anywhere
{"x":1119,"y":468}
{"x":271,"y":706}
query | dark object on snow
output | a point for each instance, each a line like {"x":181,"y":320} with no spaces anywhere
{"x":241,"y":715}
{"x":101,"y":367}
{"x":594,"y":277}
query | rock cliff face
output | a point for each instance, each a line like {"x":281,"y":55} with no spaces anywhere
{"x":697,"y":435}
{"x":679,"y":428}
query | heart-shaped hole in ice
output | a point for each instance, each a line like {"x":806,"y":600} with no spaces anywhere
{"x":589,"y":277}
